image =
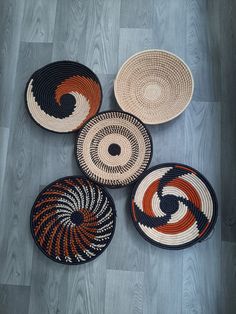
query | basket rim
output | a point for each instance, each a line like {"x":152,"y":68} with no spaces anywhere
{"x":154,"y":50}
{"x":40,"y":69}
{"x":108,"y":185}
{"x":113,"y":210}
{"x":192,"y":242}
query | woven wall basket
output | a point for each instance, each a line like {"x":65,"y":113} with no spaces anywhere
{"x":73,"y":220}
{"x":154,"y":85}
{"x":62,"y":95}
{"x":113,"y":148}
{"x":173,"y":206}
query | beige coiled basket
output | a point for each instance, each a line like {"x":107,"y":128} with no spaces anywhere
{"x":154,"y":85}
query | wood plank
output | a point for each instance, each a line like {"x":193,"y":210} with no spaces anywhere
{"x":228,"y":277}
{"x":39,"y":20}
{"x":14,"y":299}
{"x":70,"y":30}
{"x":141,"y":16}
{"x":169,"y":26}
{"x":4,"y":136}
{"x":163,"y":281}
{"x":201,"y":263}
{"x":108,"y":98}
{"x":22,"y":174}
{"x":49,"y":285}
{"x":124,"y":292}
{"x":11,"y":15}
{"x":58,"y":288}
{"x":200,"y":52}
{"x":127,"y":249}
{"x":228,"y":149}
{"x":86,"y":288}
{"x":58,"y":159}
{"x":132,"y":41}
{"x":102,"y":36}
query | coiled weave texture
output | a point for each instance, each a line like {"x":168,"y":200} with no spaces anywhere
{"x":62,"y":95}
{"x":73,"y":220}
{"x":173,"y":206}
{"x":113,"y":148}
{"x":154,"y":85}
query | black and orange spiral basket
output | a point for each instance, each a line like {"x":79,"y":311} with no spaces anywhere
{"x":73,"y":220}
{"x":63,"y":95}
{"x":173,"y":206}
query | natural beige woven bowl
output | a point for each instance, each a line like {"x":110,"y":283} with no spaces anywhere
{"x":154,"y":85}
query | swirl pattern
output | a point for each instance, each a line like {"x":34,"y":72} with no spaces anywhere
{"x":113,"y":148}
{"x":62,"y":95}
{"x":73,"y":220}
{"x":173,"y":206}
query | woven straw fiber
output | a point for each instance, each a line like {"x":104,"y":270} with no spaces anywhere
{"x":113,"y":148}
{"x":154,"y":85}
{"x":73,"y":220}
{"x":173,"y":206}
{"x":63,"y":95}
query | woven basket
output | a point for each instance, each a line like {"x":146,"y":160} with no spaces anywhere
{"x":173,"y":206}
{"x":63,"y":95}
{"x":113,"y":148}
{"x":73,"y":220}
{"x":154,"y":85}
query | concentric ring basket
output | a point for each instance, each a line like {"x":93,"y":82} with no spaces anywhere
{"x":113,"y":148}
{"x":154,"y":85}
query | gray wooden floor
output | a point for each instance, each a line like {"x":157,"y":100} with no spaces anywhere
{"x":131,"y":276}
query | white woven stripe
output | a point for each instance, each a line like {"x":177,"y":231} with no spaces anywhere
{"x":172,"y":239}
{"x":205,"y":196}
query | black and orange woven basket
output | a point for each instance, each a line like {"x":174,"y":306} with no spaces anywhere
{"x":73,"y":220}
{"x":63,"y":95}
{"x":173,"y":206}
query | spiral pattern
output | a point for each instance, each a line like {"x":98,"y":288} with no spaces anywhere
{"x":173,"y":206}
{"x":73,"y":220}
{"x":62,"y":95}
{"x":154,"y":85}
{"x":113,"y":148}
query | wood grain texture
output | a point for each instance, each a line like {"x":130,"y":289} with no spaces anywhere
{"x":102,"y":36}
{"x":229,"y":277}
{"x":21,"y":175}
{"x":4,"y":136}
{"x":141,"y":16}
{"x":228,"y":146}
{"x":108,"y":97}
{"x":39,"y":21}
{"x":126,"y":239}
{"x":124,"y":292}
{"x":200,"y":53}
{"x":49,"y":285}
{"x":10,"y":24}
{"x":86,"y":287}
{"x":201,"y":263}
{"x":58,"y":158}
{"x":14,"y":299}
{"x":70,"y":30}
{"x":169,"y":26}
{"x":132,"y":41}
{"x":163,"y":281}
